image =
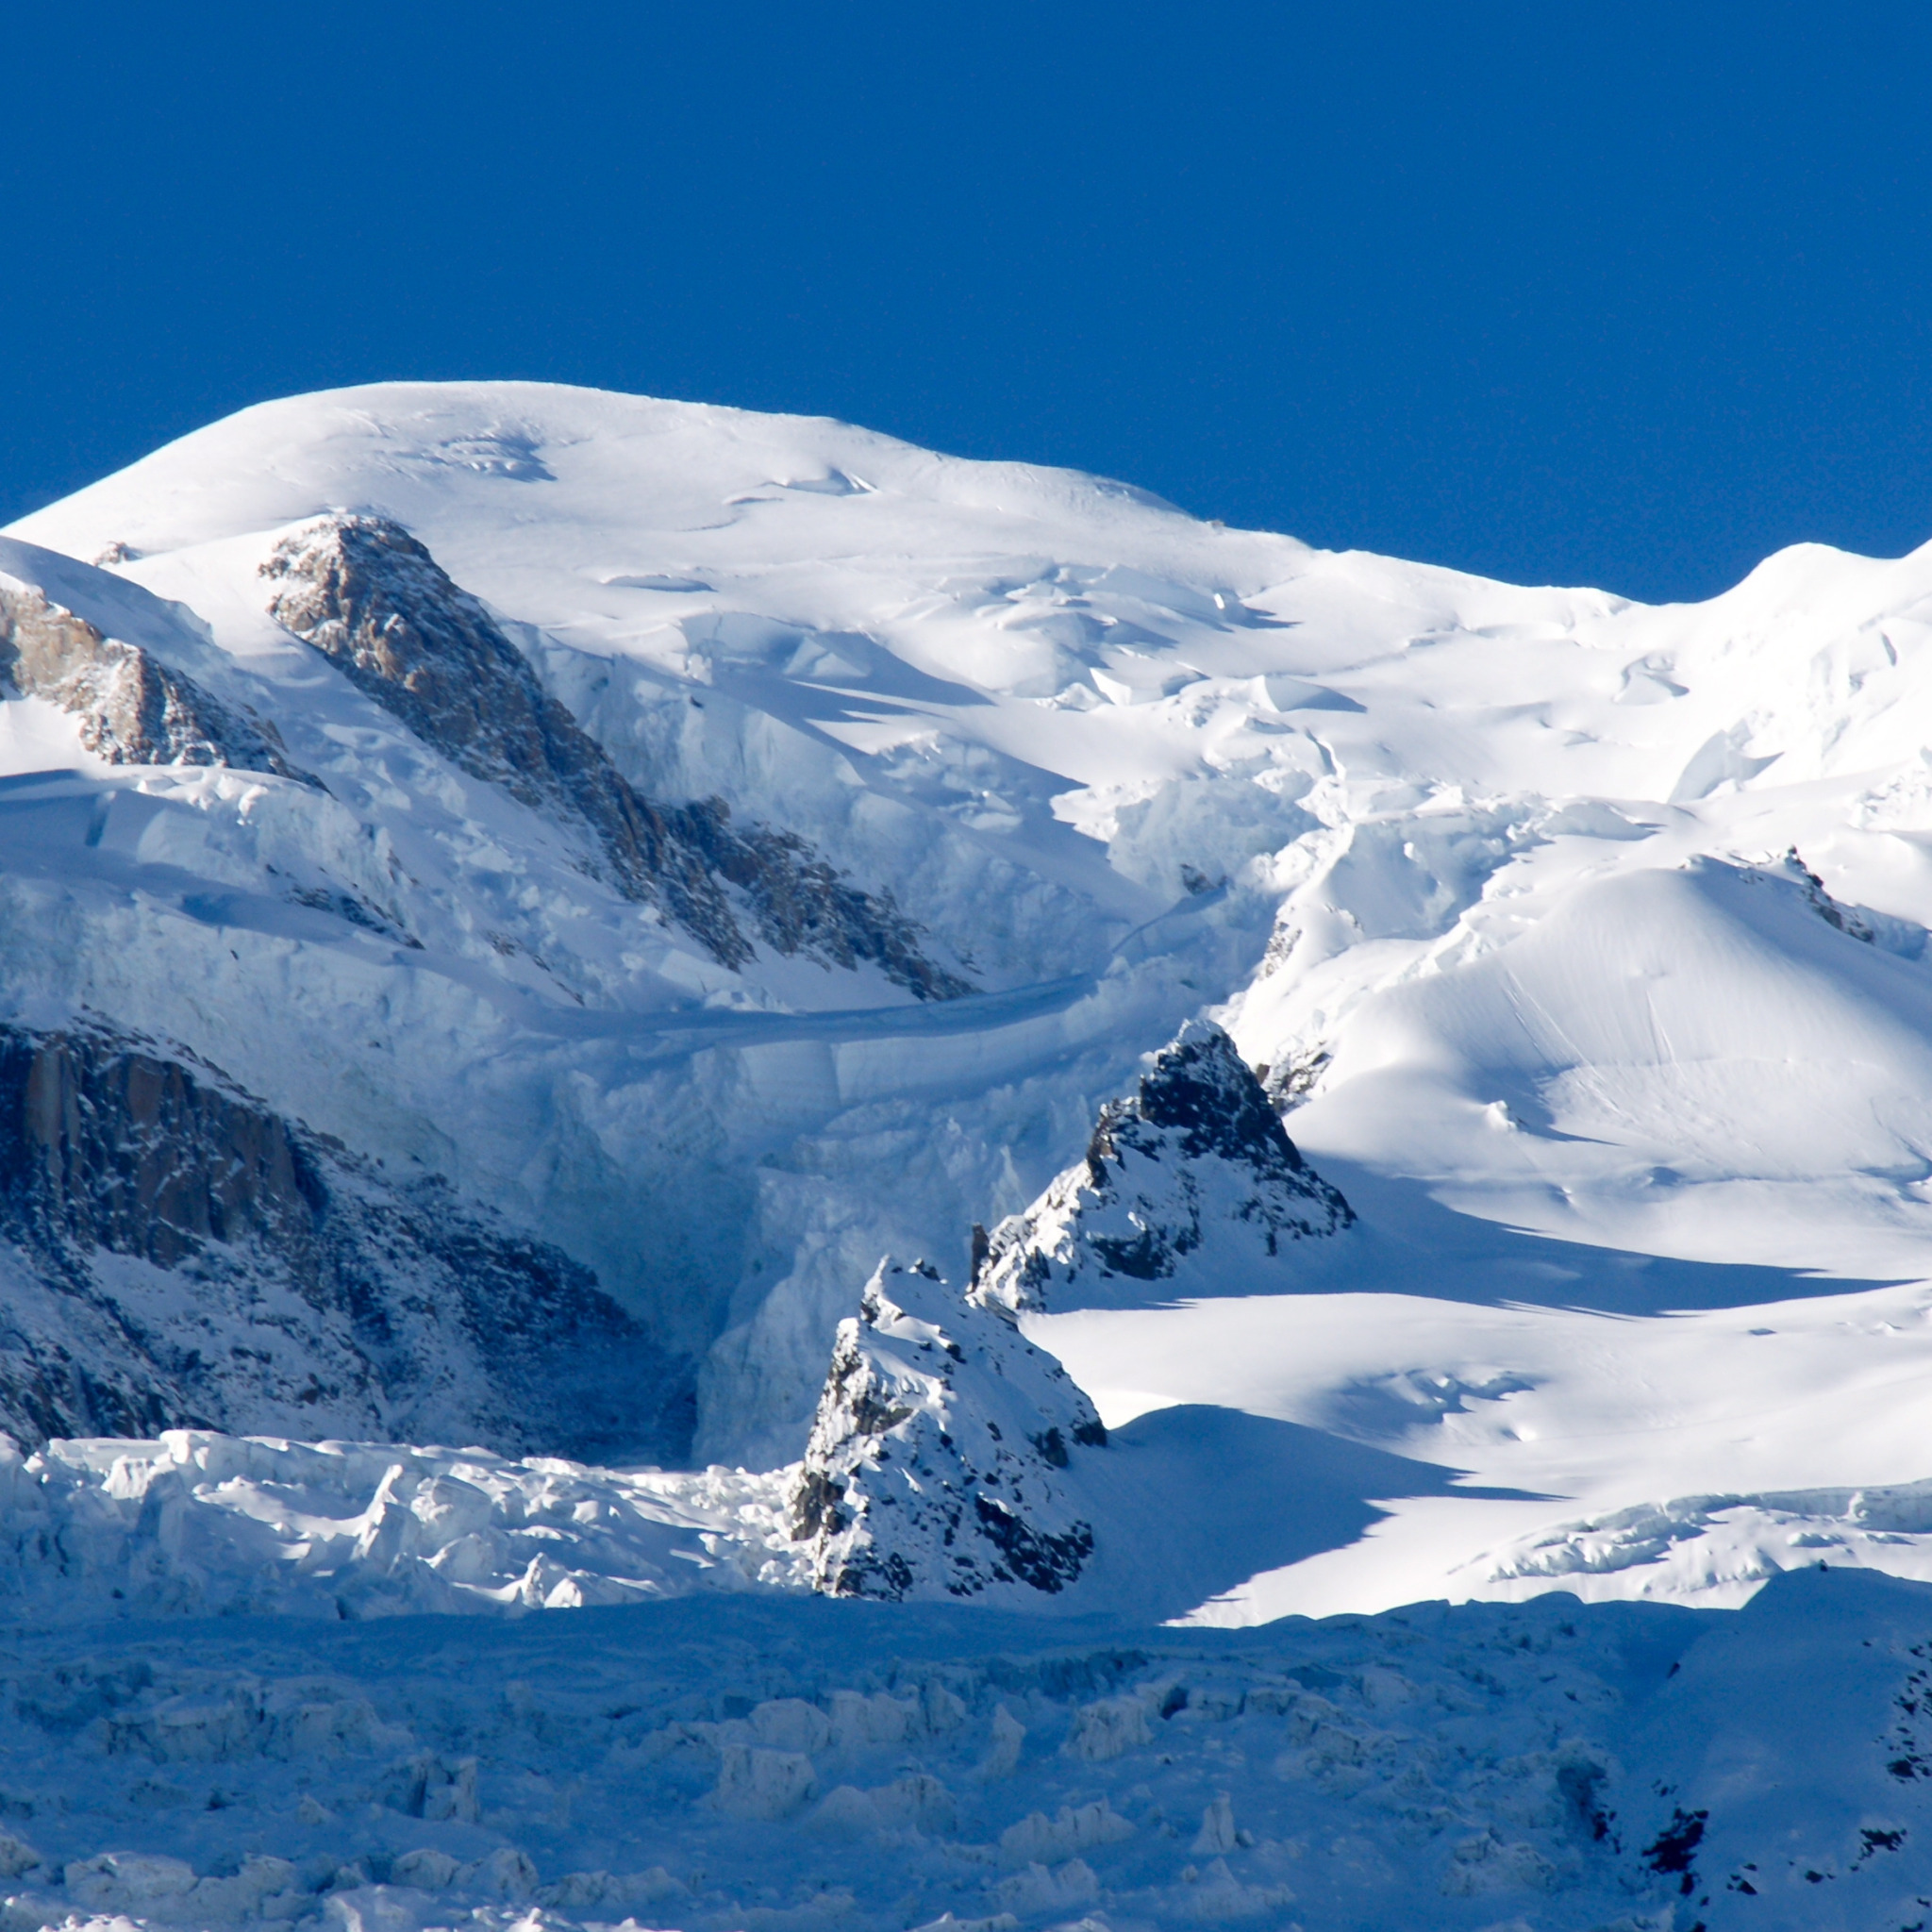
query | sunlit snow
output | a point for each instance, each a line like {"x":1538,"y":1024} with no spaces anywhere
{"x":1586,"y":941}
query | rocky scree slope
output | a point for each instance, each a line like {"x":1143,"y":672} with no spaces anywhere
{"x":371,"y":598}
{"x":175,"y":1252}
{"x":940,"y":1459}
{"x":1195,"y":1162}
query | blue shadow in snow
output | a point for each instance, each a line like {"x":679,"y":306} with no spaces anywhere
{"x":1192,"y":1501}
{"x":1406,"y":1243}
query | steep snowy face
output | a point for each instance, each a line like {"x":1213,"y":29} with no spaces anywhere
{"x":942,"y":1459}
{"x":1192,"y":1169}
{"x":370,"y":597}
{"x":174,"y":1252}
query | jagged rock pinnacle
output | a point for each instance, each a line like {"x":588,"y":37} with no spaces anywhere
{"x":1195,"y":1162}
{"x":939,"y":1456}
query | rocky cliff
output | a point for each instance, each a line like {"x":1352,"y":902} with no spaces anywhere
{"x":177,"y":1254}
{"x":370,"y":597}
{"x":1195,"y":1163}
{"x":942,"y":1459}
{"x":132,"y":708}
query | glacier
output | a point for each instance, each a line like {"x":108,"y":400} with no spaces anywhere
{"x":1402,"y":1088}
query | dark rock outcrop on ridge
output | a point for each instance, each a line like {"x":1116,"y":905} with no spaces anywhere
{"x":133,"y":709}
{"x":1194,"y":1163}
{"x":940,"y":1462}
{"x":368,"y":595}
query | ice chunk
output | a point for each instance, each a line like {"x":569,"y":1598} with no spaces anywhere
{"x":762,"y":1784}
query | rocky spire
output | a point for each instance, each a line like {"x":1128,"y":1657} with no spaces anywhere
{"x":943,"y":1458}
{"x":1195,"y":1162}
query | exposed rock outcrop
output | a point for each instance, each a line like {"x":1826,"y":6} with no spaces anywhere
{"x":177,"y":1254}
{"x":941,"y":1461}
{"x":1848,"y":920}
{"x":367,"y":594}
{"x":1194,"y":1163}
{"x":133,"y":709}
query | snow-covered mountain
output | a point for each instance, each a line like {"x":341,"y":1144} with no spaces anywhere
{"x":512,"y":899}
{"x":723,"y":849}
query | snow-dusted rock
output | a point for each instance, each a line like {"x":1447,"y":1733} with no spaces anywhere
{"x":371,"y":598}
{"x":1195,"y":1165}
{"x":176,"y":1253}
{"x":941,"y":1461}
{"x":132,"y":708}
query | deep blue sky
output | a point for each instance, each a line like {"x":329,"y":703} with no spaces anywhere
{"x":1625,"y":295}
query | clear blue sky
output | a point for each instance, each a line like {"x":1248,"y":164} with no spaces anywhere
{"x":1626,"y":294}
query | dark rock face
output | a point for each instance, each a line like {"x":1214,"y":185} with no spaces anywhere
{"x":177,"y":1255}
{"x":368,"y":595}
{"x":1201,"y":1097}
{"x":133,"y":709}
{"x":1292,"y":1082}
{"x":940,"y":1459}
{"x":1195,"y":1162}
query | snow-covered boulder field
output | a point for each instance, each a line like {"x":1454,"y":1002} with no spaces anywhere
{"x":1408,"y":1090}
